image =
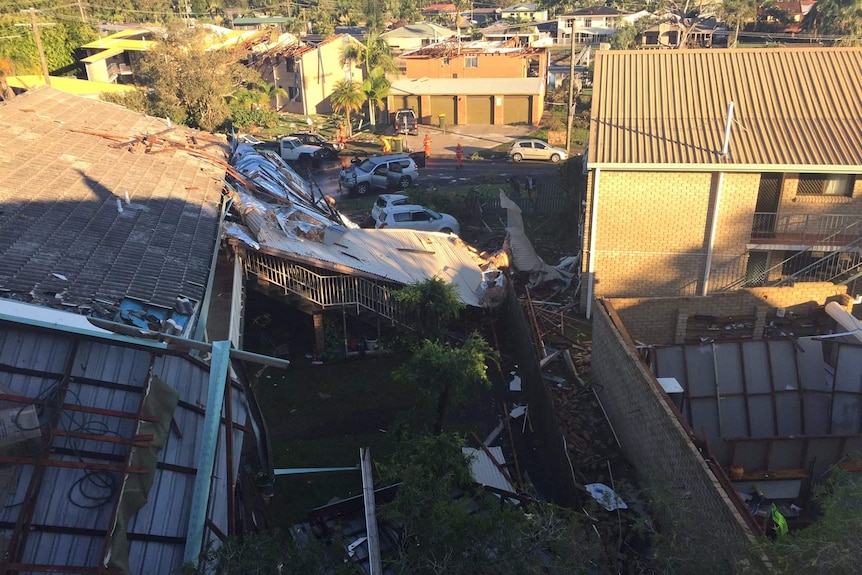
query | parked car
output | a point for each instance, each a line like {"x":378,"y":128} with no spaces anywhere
{"x":536,"y":150}
{"x":387,"y":172}
{"x":387,"y":201}
{"x":330,"y":148}
{"x":292,"y":149}
{"x":406,"y":122}
{"x":417,"y":218}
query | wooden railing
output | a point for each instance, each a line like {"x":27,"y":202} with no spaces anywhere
{"x":327,"y":291}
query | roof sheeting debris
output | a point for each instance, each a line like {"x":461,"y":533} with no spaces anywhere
{"x":283,"y":215}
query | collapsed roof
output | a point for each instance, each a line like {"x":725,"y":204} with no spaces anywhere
{"x":283,"y":216}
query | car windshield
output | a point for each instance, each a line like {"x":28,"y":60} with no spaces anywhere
{"x":434,"y":215}
{"x":366,"y":166}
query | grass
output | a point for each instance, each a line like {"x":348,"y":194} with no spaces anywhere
{"x":320,"y":417}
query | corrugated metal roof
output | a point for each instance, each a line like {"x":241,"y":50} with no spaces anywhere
{"x":70,"y":522}
{"x":665,"y":109}
{"x":483,"y":469}
{"x":419,"y":30}
{"x":467,"y":86}
{"x":69,"y":85}
{"x":67,"y":174}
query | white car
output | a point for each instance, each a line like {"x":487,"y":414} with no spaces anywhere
{"x":416,"y":218}
{"x":387,"y":201}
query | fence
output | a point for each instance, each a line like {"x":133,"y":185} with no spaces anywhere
{"x":550,"y":198}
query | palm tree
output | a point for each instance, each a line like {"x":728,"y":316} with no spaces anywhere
{"x":376,"y":87}
{"x":376,"y":60}
{"x":347,"y":97}
{"x":272,"y":91}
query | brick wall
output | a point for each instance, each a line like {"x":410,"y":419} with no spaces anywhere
{"x":660,"y":321}
{"x":658,"y":445}
{"x":653,"y":229}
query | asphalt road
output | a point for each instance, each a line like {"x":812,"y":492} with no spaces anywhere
{"x":443,"y":171}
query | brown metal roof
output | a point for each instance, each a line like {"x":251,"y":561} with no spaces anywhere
{"x":664,"y":109}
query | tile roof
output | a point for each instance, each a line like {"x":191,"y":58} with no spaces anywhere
{"x":666,"y":109}
{"x":88,"y":217}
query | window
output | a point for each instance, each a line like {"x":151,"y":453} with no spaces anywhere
{"x":471,"y":61}
{"x":588,"y":22}
{"x":825,"y":185}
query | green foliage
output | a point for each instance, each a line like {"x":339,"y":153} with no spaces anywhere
{"x":831,"y":544}
{"x":60,"y":40}
{"x":447,"y":376}
{"x":347,"y":98}
{"x":448,"y":525}
{"x":267,"y":553}
{"x":836,"y":17}
{"x":624,"y":38}
{"x":136,"y":100}
{"x":189,"y":84}
{"x":431,"y":305}
{"x":737,"y":13}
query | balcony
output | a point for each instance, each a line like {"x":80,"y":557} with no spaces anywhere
{"x":824,"y":231}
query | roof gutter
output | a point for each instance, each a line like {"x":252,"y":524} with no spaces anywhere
{"x":738,"y":168}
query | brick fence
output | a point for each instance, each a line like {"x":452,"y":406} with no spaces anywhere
{"x":695,"y":511}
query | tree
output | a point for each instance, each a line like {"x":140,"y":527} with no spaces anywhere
{"x":430,"y":305}
{"x":836,"y":18}
{"x":447,"y":524}
{"x":624,"y":37}
{"x":736,"y":13}
{"x":189,"y":84}
{"x":447,"y":376}
{"x":376,"y":60}
{"x":347,"y":98}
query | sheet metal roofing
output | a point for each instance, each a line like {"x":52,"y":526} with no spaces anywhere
{"x":793,"y":108}
{"x":467,"y":86}
{"x":88,"y":217}
{"x":89,"y":397}
{"x":419,"y":30}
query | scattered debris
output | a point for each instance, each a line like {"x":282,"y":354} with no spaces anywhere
{"x":606,"y":496}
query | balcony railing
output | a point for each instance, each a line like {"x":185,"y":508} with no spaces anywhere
{"x":806,"y":229}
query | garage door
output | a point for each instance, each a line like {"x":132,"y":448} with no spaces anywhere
{"x":516,"y":110}
{"x":480,"y":110}
{"x":407,"y":103}
{"x":443,"y":105}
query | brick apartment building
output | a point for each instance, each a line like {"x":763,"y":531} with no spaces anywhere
{"x":712,"y":170}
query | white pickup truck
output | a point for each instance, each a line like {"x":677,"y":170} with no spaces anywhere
{"x":293,"y":150}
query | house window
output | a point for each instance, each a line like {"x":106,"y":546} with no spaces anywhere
{"x":588,"y":22}
{"x":825,"y":185}
{"x":471,"y":61}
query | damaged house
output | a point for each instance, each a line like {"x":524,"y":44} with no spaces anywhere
{"x":299,"y":247}
{"x":123,"y":446}
{"x":733,"y":402}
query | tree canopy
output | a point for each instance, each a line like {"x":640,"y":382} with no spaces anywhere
{"x":189,"y":84}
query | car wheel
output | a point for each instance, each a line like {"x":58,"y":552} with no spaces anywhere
{"x":362,"y":189}
{"x":555,"y":158}
{"x":517,"y":157}
{"x":446,"y":231}
{"x":404,"y":183}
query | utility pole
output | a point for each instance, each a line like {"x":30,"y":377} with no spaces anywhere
{"x":81,"y":10}
{"x":39,"y":46}
{"x":571,"y":116}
